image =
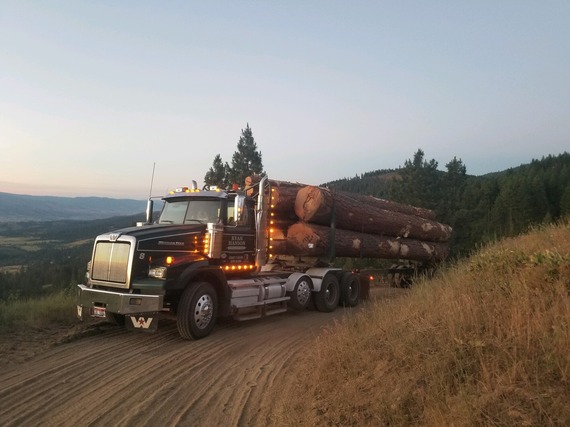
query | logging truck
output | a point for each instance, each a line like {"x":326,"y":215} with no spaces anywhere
{"x":210,"y":254}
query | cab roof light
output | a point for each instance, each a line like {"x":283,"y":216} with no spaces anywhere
{"x":184,"y":190}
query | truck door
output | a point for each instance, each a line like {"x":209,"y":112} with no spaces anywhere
{"x":238,"y":245}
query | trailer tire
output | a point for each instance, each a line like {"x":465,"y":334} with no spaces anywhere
{"x":349,"y":290}
{"x":197,"y":311}
{"x":327,"y":298}
{"x":301,"y":294}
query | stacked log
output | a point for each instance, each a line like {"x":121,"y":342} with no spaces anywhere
{"x":278,"y":235}
{"x":283,"y":196}
{"x":304,"y":239}
{"x":312,"y":192}
{"x":282,"y":210}
{"x":316,"y":205}
{"x":365,"y":226}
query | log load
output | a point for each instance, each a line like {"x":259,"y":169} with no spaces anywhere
{"x":315,"y":205}
{"x":305,"y":239}
{"x":392,"y":206}
{"x":283,"y":196}
{"x":278,"y":236}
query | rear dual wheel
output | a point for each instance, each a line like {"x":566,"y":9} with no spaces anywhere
{"x":349,"y":290}
{"x":327,"y":298}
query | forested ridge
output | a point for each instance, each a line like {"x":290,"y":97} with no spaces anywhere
{"x":479,"y":208}
{"x":53,"y":255}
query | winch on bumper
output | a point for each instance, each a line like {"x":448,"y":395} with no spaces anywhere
{"x":90,"y":300}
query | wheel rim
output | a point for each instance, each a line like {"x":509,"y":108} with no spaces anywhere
{"x":203,"y":311}
{"x":303,"y":292}
{"x":330,"y":294}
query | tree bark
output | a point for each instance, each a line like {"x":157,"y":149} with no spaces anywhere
{"x":278,"y":247}
{"x":393,"y":206}
{"x":278,"y":228}
{"x":282,"y":199}
{"x":278,"y":236}
{"x":305,"y":239}
{"x":316,"y":205}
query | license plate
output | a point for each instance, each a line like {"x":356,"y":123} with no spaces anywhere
{"x":98,"y":312}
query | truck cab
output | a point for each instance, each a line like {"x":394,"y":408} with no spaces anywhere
{"x":229,"y":220}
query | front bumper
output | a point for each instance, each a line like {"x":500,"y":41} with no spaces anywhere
{"x":115,"y":302}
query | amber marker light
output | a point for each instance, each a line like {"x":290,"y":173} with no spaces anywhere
{"x":239,"y":267}
{"x":169,"y":260}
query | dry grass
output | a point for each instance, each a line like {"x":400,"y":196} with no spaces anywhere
{"x":486,"y":343}
{"x":54,"y":309}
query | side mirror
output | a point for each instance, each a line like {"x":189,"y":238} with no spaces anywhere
{"x":240,"y":210}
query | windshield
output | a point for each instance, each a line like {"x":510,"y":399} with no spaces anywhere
{"x":189,"y":211}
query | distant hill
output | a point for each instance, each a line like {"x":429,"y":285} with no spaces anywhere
{"x":18,"y":207}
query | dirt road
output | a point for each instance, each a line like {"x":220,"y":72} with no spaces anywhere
{"x":237,"y":376}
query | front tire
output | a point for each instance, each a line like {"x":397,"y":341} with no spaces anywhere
{"x":327,"y":298}
{"x":197,"y":311}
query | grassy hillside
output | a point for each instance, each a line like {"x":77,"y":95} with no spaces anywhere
{"x":486,"y":343}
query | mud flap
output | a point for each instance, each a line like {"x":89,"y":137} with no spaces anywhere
{"x":147,"y":322}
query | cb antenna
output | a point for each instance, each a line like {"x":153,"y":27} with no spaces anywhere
{"x":151,"y":180}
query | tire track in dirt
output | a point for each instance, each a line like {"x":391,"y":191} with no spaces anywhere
{"x":233,"y":377}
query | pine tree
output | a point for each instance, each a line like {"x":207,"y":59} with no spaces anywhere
{"x":418,"y":182}
{"x":218,"y":174}
{"x":453,"y":185}
{"x":247,"y":159}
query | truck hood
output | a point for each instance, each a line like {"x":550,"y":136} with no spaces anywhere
{"x":179,"y":238}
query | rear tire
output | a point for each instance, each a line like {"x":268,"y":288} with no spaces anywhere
{"x":327,"y":298}
{"x":349,"y":290}
{"x":197,"y":311}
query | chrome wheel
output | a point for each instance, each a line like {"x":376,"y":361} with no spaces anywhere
{"x":303,"y":292}
{"x":203,"y":311}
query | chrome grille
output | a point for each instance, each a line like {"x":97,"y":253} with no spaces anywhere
{"x":111,"y":262}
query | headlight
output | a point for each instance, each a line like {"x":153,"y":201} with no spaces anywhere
{"x":157,"y":272}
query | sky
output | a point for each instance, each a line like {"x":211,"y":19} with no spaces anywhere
{"x":95,"y":94}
